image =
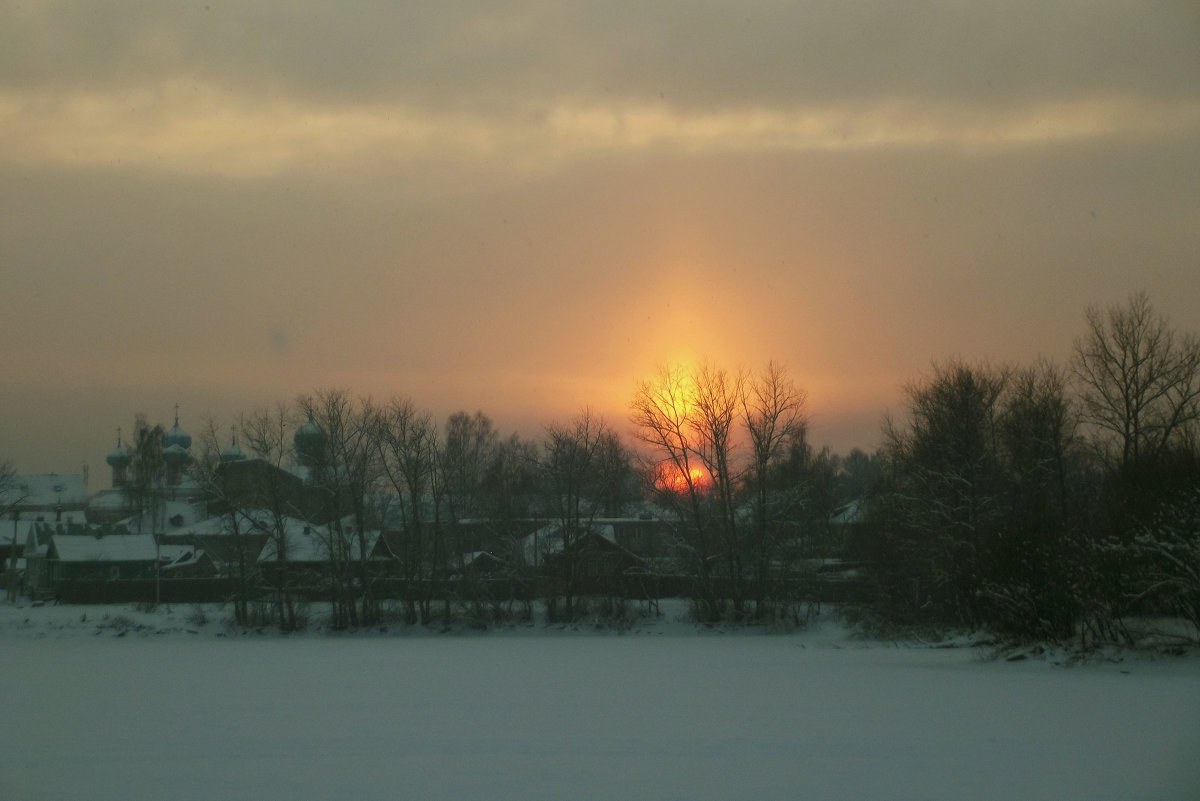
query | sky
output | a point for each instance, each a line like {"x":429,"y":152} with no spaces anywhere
{"x":525,"y":208}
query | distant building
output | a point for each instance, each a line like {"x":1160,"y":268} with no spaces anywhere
{"x":120,"y":501}
{"x":34,"y":499}
{"x":47,"y":495}
{"x":54,"y":552}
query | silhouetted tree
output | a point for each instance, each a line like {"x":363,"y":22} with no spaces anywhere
{"x":348,"y":470}
{"x":1140,"y":380}
{"x":580,"y":467}
{"x":945,"y":503}
{"x":468,"y":448}
{"x":716,"y":439}
{"x":268,"y":436}
{"x":1139,"y":383}
{"x":208,"y":468}
{"x":662,"y":412}
{"x":1038,"y":567}
{"x":11,"y":496}
{"x":773,"y":413}
{"x":407,"y":442}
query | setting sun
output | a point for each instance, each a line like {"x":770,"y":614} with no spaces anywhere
{"x":670,"y":478}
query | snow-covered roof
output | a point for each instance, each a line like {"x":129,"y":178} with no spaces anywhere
{"x":113,"y":548}
{"x":848,"y":514}
{"x":38,"y":533}
{"x":250,"y":521}
{"x":27,"y":530}
{"x":307,"y":543}
{"x":168,"y":516}
{"x":548,"y":539}
{"x":109,"y":499}
{"x":174,"y":556}
{"x":483,"y":557}
{"x":48,"y":490}
{"x":71,"y":517}
{"x":300,"y":471}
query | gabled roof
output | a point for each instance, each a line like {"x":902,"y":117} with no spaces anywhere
{"x":70,"y":518}
{"x":486,"y":558}
{"x":307,"y":543}
{"x":38,"y":534}
{"x":548,"y":540}
{"x":47,"y":490}
{"x":113,"y":548}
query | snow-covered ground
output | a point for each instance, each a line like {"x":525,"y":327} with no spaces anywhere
{"x":109,"y":703}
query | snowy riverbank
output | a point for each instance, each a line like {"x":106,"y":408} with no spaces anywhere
{"x":113,"y":703}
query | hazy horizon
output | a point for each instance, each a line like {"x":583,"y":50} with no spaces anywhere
{"x":524,"y":208}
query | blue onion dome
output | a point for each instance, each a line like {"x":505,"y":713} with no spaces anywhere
{"x":176,"y":454}
{"x":309,"y":435}
{"x":309,"y":440}
{"x":176,"y":436}
{"x":120,"y":455}
{"x":233,"y":453}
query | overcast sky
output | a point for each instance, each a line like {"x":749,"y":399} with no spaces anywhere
{"x":524,"y":208}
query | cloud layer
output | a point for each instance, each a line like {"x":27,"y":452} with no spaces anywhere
{"x":523,"y":207}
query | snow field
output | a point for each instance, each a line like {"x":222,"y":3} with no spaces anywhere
{"x":642,"y":716}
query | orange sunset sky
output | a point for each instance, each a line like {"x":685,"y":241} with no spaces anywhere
{"x":524,"y":208}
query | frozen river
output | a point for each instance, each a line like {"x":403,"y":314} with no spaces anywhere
{"x":513,"y":716}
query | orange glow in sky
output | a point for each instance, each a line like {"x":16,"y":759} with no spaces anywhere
{"x":528,"y":219}
{"x":670,"y":478}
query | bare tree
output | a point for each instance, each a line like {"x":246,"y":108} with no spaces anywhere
{"x":1033,"y":584}
{"x":664,"y":421}
{"x":1139,"y":385}
{"x":348,"y":471}
{"x":209,"y":471}
{"x":146,"y":490}
{"x":1140,"y":379}
{"x":511,"y":482}
{"x":576,"y":480}
{"x":714,"y":413}
{"x":146,"y":487}
{"x":713,"y":437}
{"x":773,"y":411}
{"x":468,"y":448}
{"x":266,"y":433}
{"x":407,"y":445}
{"x":1038,"y":431}
{"x":946,"y":497}
{"x":514,"y":489}
{"x":11,"y":497}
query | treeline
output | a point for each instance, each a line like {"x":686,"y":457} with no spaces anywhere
{"x":1046,"y":502}
{"x":447,"y":498}
{"x":1039,"y":501}
{"x":730,"y":505}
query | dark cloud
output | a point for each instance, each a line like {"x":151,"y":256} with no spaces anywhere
{"x":693,"y":55}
